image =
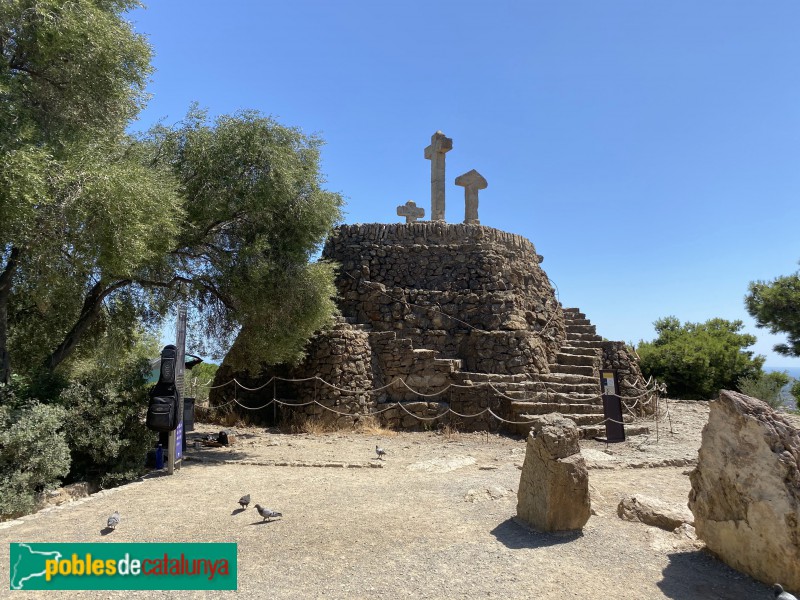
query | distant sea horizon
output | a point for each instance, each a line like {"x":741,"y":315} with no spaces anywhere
{"x":792,"y":371}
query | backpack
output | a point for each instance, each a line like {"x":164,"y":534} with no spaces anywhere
{"x":162,"y":413}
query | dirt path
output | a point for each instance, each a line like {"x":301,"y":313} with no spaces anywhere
{"x":434,"y":520}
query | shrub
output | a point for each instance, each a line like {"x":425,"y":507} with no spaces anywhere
{"x":795,"y":391}
{"x":106,"y":431}
{"x":767,"y":387}
{"x":33,"y":452}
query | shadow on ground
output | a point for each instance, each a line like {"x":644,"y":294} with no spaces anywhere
{"x":513,"y":534}
{"x":696,"y":575}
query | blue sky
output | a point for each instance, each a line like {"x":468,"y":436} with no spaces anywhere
{"x":649,"y":150}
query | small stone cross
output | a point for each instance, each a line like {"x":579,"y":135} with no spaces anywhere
{"x":410,"y":211}
{"x":440,"y":144}
{"x":472,"y":181}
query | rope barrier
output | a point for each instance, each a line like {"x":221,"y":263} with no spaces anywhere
{"x":274,"y":401}
{"x":649,"y":390}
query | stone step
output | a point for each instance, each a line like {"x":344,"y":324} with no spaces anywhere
{"x":574,"y":312}
{"x":424,"y":354}
{"x":576,"y":359}
{"x":551,"y":395}
{"x":593,"y":431}
{"x":554,"y":397}
{"x":447,"y":365}
{"x":543,"y":408}
{"x":573,"y":329}
{"x":586,"y":343}
{"x":573,"y":370}
{"x":569,"y":378}
{"x":575,"y":321}
{"x":582,"y":337}
{"x":496,"y":378}
{"x":581,"y":419}
{"x":579,"y":350}
{"x":544,"y":390}
{"x":383,"y":335}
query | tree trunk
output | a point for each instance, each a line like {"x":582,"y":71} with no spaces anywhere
{"x":90,"y":311}
{"x":6,"y":278}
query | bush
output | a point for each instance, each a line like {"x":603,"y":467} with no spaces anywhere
{"x":106,"y":431}
{"x":767,"y":387}
{"x":696,"y":360}
{"x":34,"y":453}
{"x":795,"y":391}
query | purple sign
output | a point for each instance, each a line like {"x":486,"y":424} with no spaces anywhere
{"x":179,"y":441}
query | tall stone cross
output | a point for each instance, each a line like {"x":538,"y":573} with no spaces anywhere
{"x":440,"y":144}
{"x":472,"y":181}
{"x":410,"y":211}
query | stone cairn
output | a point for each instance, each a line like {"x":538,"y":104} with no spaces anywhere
{"x":440,"y":318}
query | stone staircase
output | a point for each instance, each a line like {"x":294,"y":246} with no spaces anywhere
{"x":572,"y":387}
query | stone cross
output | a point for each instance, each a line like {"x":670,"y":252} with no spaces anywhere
{"x":440,"y":144}
{"x":410,"y":211}
{"x":472,"y":181}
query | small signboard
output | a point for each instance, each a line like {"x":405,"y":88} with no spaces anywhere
{"x":612,"y":406}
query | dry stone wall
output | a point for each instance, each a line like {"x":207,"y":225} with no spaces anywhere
{"x":438,"y":283}
{"x":439,"y":316}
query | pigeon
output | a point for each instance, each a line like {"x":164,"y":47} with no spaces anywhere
{"x":113,"y":520}
{"x":781,"y":595}
{"x":267,"y":513}
{"x":380,"y":451}
{"x":244,"y":501}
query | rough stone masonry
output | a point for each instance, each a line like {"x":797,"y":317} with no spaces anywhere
{"x":429,"y":305}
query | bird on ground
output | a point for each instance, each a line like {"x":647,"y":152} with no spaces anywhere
{"x":380,"y":452}
{"x":781,"y":595}
{"x":113,"y":520}
{"x":244,"y":501}
{"x":267,"y":513}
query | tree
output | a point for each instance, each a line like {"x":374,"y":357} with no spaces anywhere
{"x":776,"y":305}
{"x":256,"y":214}
{"x":72,"y":76}
{"x":696,"y":360}
{"x":102,"y":231}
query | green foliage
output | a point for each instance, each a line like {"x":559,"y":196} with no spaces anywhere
{"x":69,"y":70}
{"x":82,"y":209}
{"x":775,"y":305}
{"x":766,"y":386}
{"x":198,"y":380}
{"x":696,"y":360}
{"x":795,"y":392}
{"x":33,"y":451}
{"x":256,"y":215}
{"x":105,"y":404}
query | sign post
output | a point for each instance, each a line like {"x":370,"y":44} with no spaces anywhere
{"x":175,"y":443}
{"x":612,"y":406}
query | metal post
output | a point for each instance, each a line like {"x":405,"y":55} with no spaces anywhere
{"x":175,"y":449}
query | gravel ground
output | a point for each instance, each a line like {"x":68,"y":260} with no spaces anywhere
{"x":433,"y":520}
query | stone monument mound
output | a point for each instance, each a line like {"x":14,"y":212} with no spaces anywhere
{"x":449,"y":318}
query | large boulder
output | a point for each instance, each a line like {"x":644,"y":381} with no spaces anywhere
{"x":554,"y":485}
{"x":746,"y":489}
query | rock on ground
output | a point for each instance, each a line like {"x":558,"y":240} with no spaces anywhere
{"x":746,"y":489}
{"x":554,"y":484}
{"x":655,"y":512}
